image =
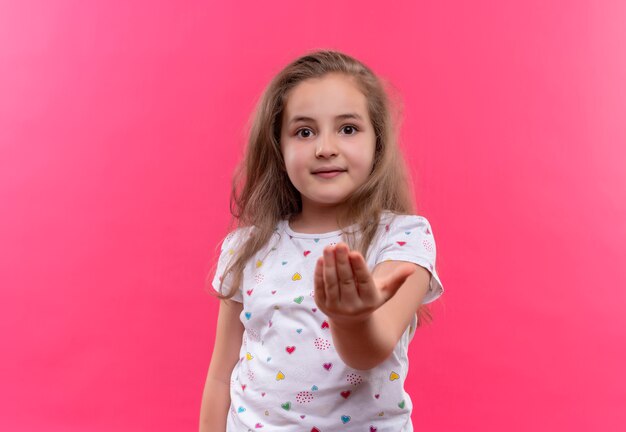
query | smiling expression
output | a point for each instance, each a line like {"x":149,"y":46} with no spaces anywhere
{"x":327,"y":140}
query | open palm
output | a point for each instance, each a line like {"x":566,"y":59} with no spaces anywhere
{"x":345,"y":289}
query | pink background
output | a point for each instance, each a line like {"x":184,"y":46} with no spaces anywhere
{"x":120,"y":125}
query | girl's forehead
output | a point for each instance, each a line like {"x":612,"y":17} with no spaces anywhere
{"x":331,"y":94}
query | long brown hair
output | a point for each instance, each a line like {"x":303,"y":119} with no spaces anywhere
{"x":262,"y":193}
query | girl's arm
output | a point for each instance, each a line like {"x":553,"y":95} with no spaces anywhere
{"x":368,"y":312}
{"x":216,"y":395}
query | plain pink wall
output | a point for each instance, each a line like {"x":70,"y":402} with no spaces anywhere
{"x":121,"y":122}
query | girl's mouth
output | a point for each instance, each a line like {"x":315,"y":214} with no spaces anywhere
{"x":328,"y":174}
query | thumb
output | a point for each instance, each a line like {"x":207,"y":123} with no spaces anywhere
{"x":390,"y":284}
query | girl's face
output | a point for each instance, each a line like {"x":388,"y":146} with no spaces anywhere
{"x":327,"y":140}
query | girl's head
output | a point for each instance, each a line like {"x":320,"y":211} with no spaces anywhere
{"x":266,"y":190}
{"x":327,"y":141}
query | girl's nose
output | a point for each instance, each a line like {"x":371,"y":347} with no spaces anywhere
{"x":326,"y":146}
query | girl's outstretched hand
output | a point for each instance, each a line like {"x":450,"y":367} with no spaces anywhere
{"x":345,"y":289}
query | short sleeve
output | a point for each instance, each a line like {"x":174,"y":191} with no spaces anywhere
{"x":410,"y":238}
{"x":229,"y":245}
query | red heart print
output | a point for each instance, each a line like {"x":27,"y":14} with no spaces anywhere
{"x":314,"y":429}
{"x":345,"y":394}
{"x":249,"y":292}
{"x":290,"y":349}
{"x":325,"y":324}
{"x":401,"y":243}
{"x":327,"y":366}
{"x":306,"y":253}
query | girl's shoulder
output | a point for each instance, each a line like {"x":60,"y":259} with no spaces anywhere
{"x":389,"y":219}
{"x":392,"y":225}
{"x":237,"y":236}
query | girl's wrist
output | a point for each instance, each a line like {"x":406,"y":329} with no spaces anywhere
{"x":350,"y":322}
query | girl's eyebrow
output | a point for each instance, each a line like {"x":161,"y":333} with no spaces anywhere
{"x":339,"y":117}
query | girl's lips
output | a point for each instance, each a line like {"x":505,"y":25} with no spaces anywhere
{"x":328,"y":174}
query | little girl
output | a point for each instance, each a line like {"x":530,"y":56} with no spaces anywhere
{"x":321,"y":281}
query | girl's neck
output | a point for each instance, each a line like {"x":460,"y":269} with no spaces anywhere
{"x":315,"y":221}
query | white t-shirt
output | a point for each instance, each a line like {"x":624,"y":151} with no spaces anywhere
{"x":289,"y":377}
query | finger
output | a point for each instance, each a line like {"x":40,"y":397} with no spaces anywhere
{"x":367,"y":289}
{"x":318,"y":278}
{"x":330,"y":276}
{"x":347,"y":285}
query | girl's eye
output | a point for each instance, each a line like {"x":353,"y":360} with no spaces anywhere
{"x":303,"y":130}
{"x":350,"y":130}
